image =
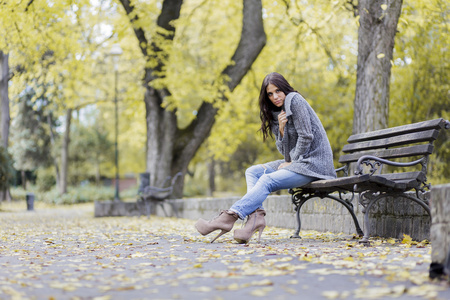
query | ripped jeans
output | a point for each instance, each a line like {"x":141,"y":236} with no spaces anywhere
{"x":263,"y":180}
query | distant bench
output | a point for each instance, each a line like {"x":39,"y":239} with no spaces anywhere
{"x":398,"y":149}
{"x":149,"y":195}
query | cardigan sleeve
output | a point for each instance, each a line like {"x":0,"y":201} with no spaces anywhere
{"x":302,"y":123}
{"x":278,"y":138}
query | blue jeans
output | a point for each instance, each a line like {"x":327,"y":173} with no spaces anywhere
{"x":263,"y":180}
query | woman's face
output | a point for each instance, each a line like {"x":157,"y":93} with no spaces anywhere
{"x":275,"y":95}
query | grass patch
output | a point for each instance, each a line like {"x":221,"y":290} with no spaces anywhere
{"x":74,"y":195}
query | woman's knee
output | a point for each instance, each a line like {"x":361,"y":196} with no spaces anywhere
{"x":267,"y":182}
{"x":253,"y":170}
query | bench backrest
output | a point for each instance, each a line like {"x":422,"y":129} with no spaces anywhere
{"x":396,"y":142}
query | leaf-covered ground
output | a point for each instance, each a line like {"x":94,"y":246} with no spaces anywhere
{"x":66,"y":253}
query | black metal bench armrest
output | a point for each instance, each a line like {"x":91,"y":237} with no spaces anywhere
{"x":152,"y":190}
{"x":164,"y":188}
{"x":174,"y":179}
{"x":166,"y":181}
{"x":447,"y":124}
{"x":342,"y":169}
{"x":374,"y":161}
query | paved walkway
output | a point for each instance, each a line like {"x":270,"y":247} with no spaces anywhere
{"x":66,"y":253}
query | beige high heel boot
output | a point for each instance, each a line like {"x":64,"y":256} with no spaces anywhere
{"x":224,"y":222}
{"x":255,"y":222}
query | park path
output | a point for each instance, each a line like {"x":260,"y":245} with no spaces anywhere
{"x":66,"y":253}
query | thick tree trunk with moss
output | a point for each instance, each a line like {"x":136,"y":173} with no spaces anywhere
{"x":378,"y":25}
{"x":170,"y":149}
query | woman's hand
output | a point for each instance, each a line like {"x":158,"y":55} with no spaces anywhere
{"x":285,"y":164}
{"x":282,"y":120}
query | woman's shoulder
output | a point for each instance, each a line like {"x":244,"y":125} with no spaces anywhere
{"x":297,"y":98}
{"x":297,"y":101}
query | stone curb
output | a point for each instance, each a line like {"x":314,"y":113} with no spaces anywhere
{"x":389,"y":217}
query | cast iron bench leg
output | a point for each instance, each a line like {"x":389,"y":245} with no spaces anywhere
{"x":343,"y":202}
{"x":365,"y":239}
{"x":149,"y":208}
{"x":174,"y":209}
{"x":350,"y":210}
{"x":299,"y":223}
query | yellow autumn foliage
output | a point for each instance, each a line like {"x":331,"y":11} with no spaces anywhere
{"x":61,"y":49}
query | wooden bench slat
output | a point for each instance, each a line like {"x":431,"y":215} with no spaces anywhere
{"x":389,"y":180}
{"x":415,"y":150}
{"x":341,"y":181}
{"x":418,"y":175}
{"x":425,"y":136}
{"x":399,"y":130}
{"x":407,"y":184}
{"x":384,"y":184}
{"x":381,"y":180}
{"x":378,"y":186}
{"x":402,"y":184}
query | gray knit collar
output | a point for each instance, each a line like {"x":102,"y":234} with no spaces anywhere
{"x":287,"y":103}
{"x":286,"y":106}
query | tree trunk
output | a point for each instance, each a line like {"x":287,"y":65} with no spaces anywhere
{"x":251,"y":43}
{"x":53,"y":142}
{"x":97,"y":172}
{"x":65,"y":153}
{"x":211,"y":177}
{"x":5,"y":116}
{"x":169,"y":149}
{"x":5,"y":113}
{"x":378,"y":25}
{"x":24,"y":179}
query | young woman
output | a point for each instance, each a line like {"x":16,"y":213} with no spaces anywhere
{"x":300,"y":138}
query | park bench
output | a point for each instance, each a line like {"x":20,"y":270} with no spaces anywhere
{"x":398,"y":149}
{"x":149,"y":195}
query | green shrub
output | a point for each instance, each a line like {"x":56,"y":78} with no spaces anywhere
{"x":81,"y":194}
{"x":6,"y":169}
{"x":45,"y":179}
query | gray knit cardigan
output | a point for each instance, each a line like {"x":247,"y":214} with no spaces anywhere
{"x":304,"y":141}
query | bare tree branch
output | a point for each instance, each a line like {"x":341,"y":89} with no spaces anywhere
{"x":252,"y":41}
{"x":28,"y":5}
{"x":352,"y":5}
{"x":315,"y":31}
{"x":139,"y":32}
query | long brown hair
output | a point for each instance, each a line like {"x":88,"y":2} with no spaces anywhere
{"x":266,"y":106}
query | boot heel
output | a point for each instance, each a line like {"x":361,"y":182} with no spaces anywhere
{"x":255,"y":222}
{"x":260,"y":229}
{"x":224,"y":221}
{"x":220,"y":234}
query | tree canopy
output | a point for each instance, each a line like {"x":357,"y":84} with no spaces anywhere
{"x":60,"y":50}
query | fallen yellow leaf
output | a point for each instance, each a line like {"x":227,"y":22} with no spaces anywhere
{"x":331,"y":294}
